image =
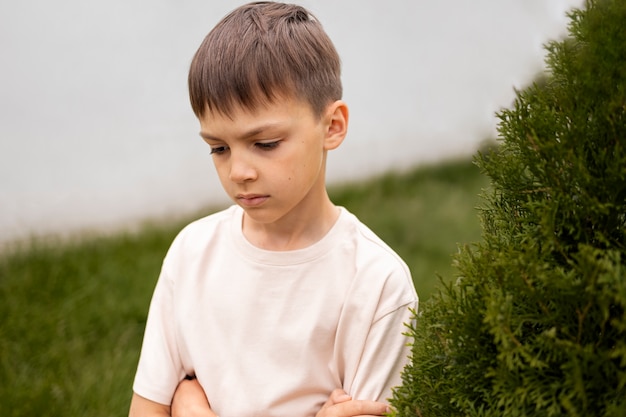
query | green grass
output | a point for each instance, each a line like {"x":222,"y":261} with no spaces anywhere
{"x":72,"y":313}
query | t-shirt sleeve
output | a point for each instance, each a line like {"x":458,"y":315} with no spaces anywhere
{"x":160,"y":369}
{"x":372,"y":341}
{"x":385,"y":353}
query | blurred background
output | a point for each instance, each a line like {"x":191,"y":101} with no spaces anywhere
{"x":96,"y":131}
{"x":96,"y":135}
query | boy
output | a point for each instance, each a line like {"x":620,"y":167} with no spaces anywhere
{"x":283,"y":304}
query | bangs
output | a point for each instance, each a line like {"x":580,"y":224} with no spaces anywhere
{"x":249,"y":78}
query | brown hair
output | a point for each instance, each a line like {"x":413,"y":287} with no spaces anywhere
{"x":262,"y":51}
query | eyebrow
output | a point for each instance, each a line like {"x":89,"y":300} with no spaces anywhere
{"x":250,"y":133}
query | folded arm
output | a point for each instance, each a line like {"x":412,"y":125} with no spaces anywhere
{"x":190,"y":401}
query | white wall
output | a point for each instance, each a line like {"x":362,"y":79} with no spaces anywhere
{"x":96,"y":130}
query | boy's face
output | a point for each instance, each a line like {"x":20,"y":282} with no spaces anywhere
{"x":271,"y":161}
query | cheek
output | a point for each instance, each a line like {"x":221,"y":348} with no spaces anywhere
{"x":222,"y":171}
{"x":286,"y":176}
{"x":302,"y":175}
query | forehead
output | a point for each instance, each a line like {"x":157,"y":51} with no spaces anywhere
{"x":243,"y":121}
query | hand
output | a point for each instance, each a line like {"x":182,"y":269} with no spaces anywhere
{"x":190,"y":400}
{"x":340,"y":404}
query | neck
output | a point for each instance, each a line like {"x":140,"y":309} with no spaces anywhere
{"x":295,"y":231}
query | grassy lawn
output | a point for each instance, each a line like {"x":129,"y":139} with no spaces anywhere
{"x":72,"y":313}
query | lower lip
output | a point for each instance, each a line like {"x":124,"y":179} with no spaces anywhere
{"x":252,"y":202}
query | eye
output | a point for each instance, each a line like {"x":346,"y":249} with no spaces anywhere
{"x":218,"y":150}
{"x":267,"y":146}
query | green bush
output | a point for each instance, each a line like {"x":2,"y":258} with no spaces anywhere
{"x":535,"y":323}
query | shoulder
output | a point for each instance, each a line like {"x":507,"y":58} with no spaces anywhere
{"x":370,"y":248}
{"x":375,"y":261}
{"x":200,"y":234}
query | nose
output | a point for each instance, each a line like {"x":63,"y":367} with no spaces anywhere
{"x":241,"y":168}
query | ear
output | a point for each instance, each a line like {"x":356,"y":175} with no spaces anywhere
{"x":336,"y":124}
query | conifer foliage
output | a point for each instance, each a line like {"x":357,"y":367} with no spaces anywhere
{"x":535,"y":323}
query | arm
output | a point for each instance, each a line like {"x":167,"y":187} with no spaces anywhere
{"x":384,"y":355}
{"x":142,"y":407}
{"x":190,"y":401}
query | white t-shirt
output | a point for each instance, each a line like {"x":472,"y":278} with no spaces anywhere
{"x":270,"y":333}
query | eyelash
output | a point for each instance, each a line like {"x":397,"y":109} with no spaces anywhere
{"x":264,"y":146}
{"x":267,"y":146}
{"x":218,"y":150}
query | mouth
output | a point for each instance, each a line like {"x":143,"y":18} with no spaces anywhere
{"x":251,"y":200}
